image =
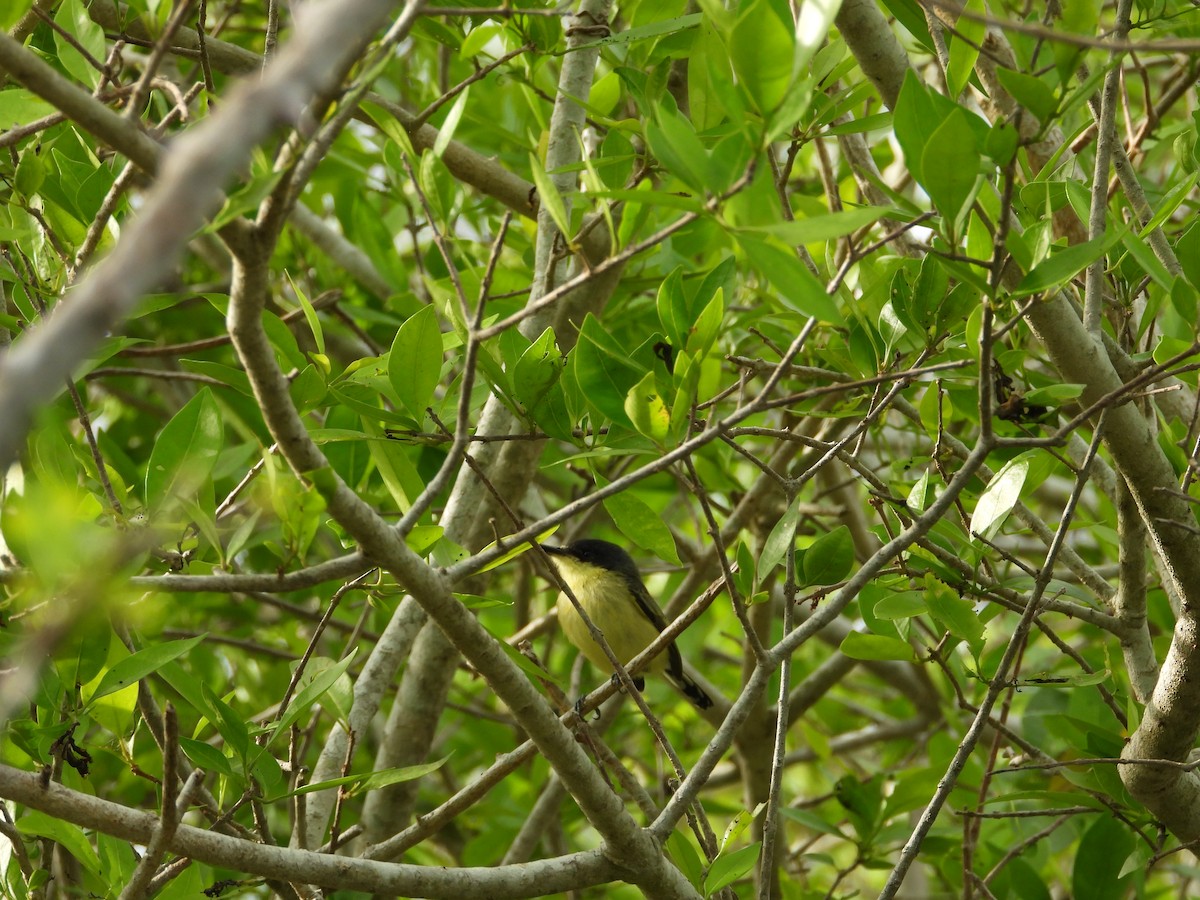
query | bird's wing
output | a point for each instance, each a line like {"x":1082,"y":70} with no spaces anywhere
{"x":646,"y":603}
{"x":651,"y":611}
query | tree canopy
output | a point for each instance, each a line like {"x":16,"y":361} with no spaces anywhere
{"x":868,"y":328}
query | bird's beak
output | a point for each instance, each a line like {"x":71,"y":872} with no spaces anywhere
{"x":555,"y":551}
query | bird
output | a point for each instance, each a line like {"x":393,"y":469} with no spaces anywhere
{"x":606,"y":582}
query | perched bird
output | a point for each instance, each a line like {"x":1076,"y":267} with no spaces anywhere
{"x":606,"y":582}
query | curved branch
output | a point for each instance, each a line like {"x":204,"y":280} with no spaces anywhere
{"x":533,"y":879}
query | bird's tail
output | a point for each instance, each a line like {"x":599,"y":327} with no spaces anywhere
{"x":686,"y":686}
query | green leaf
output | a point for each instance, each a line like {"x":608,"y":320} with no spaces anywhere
{"x":316,"y":687}
{"x":672,"y":306}
{"x":1100,"y":859}
{"x":812,"y":29}
{"x":310,"y":314}
{"x":647,"y":411}
{"x":538,"y":370}
{"x":950,"y":165}
{"x":1000,"y":496}
{"x":229,"y":724}
{"x":829,"y":558}
{"x":729,"y":867}
{"x":642,"y":525}
{"x":762,"y":50}
{"x":207,"y":757}
{"x":685,"y":857}
{"x":969,"y":33}
{"x":390,"y":127}
{"x":603,"y":370}
{"x":651,"y":30}
{"x":70,"y":837}
{"x":369,"y":781}
{"x":549,"y":196}
{"x":707,"y":325}
{"x":954,"y":613}
{"x":674,"y":143}
{"x":1187,"y":249}
{"x":513,"y":552}
{"x":827,"y":227}
{"x":1032,"y":93}
{"x":137,"y":666}
{"x":185,"y":451}
{"x":72,"y":16}
{"x":450,"y":125}
{"x":1053,"y":394}
{"x":414,"y":365}
{"x":904,"y":605}
{"x":19,"y":107}
{"x":913,"y":120}
{"x":1066,"y":264}
{"x":876,"y":647}
{"x":798,"y":287}
{"x":779,"y":540}
{"x":710,"y":79}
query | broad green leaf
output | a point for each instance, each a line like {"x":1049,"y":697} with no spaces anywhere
{"x":950,"y":165}
{"x":969,"y":32}
{"x":798,"y":288}
{"x":730,"y":867}
{"x":73,"y":18}
{"x":231,"y":726}
{"x":1100,"y":860}
{"x":762,"y":49}
{"x":710,"y":78}
{"x":647,"y":411}
{"x":707,"y":325}
{"x":876,"y":647}
{"x":1187,"y":249}
{"x":603,"y":369}
{"x":1066,"y":264}
{"x":673,"y":308}
{"x":390,"y":127}
{"x":829,"y":558}
{"x":954,"y":613}
{"x":674,"y":143}
{"x":11,"y":13}
{"x":913,"y":120}
{"x":1031,"y":92}
{"x":185,"y":451}
{"x":538,"y":369}
{"x":137,"y":666}
{"x":1000,"y":496}
{"x":207,"y":757}
{"x":1053,"y":394}
{"x":779,"y":540}
{"x":415,"y":362}
{"x":650,"y":30}
{"x":685,"y":857}
{"x":904,"y":605}
{"x":642,"y":525}
{"x":70,"y":837}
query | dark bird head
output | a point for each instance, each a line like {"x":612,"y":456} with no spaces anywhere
{"x":601,"y":554}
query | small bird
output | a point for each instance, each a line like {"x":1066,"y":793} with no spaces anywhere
{"x":605,"y":581}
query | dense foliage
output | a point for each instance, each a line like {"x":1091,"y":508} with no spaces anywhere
{"x":868,"y":328}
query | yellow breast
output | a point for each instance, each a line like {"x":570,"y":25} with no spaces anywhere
{"x":612,"y":609}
